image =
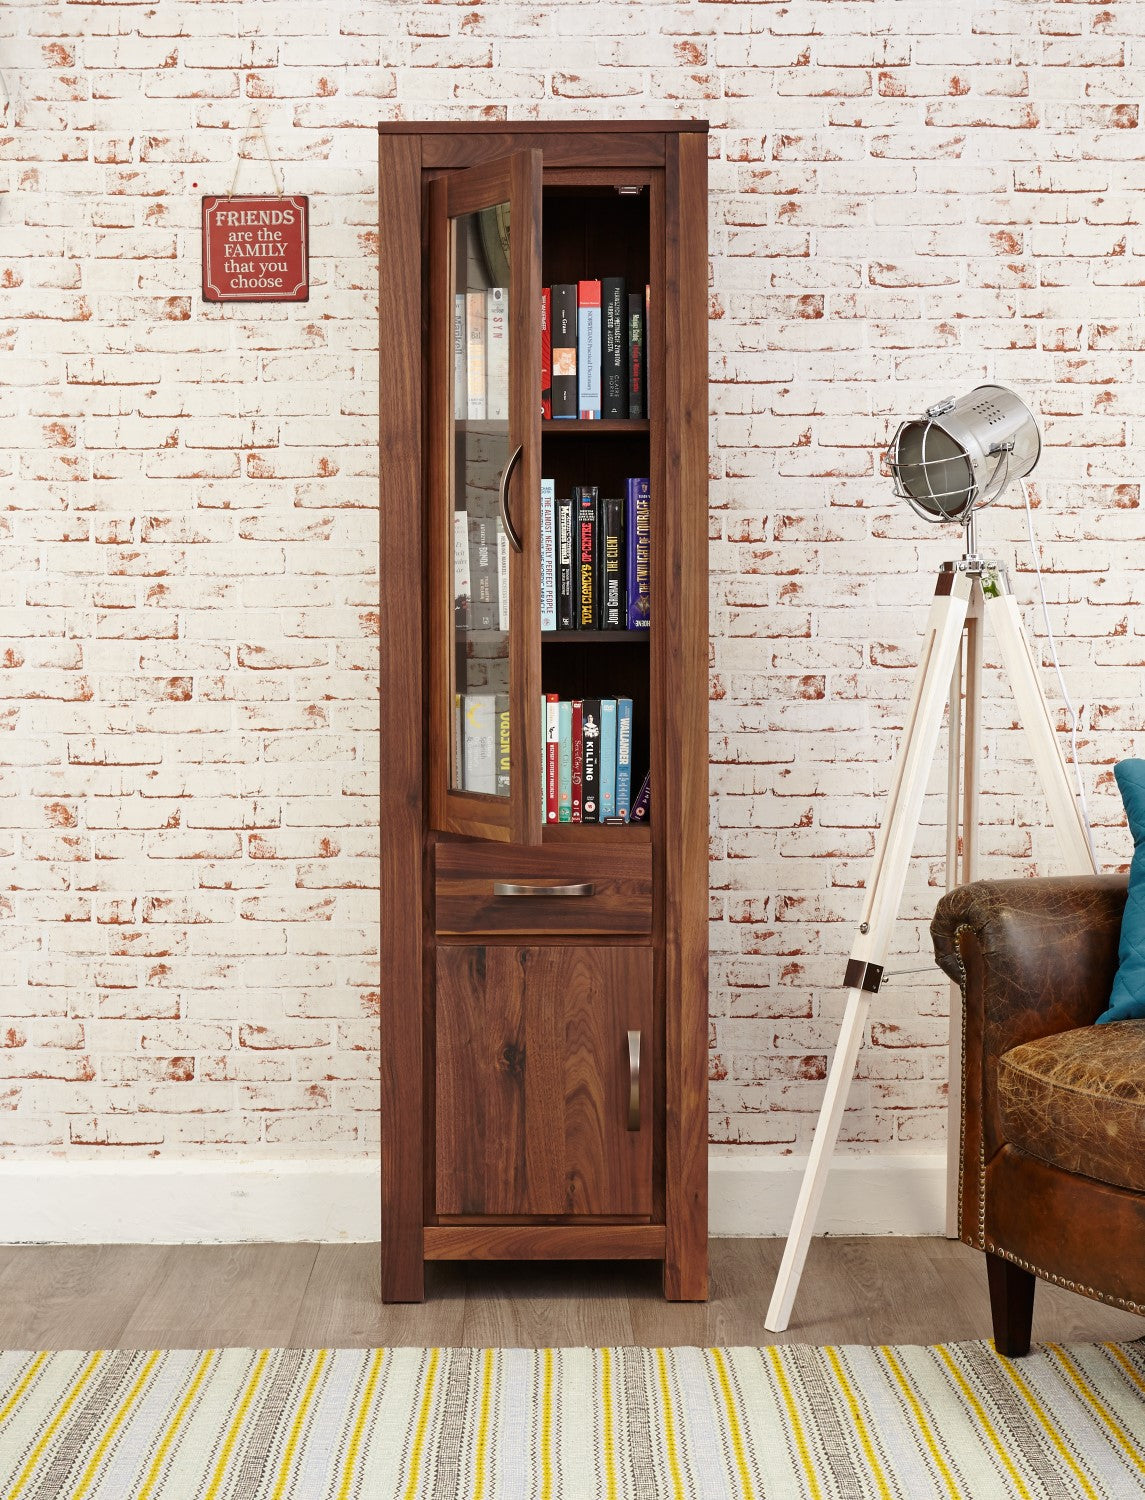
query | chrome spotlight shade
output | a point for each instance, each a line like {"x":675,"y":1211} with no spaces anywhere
{"x":963,"y":453}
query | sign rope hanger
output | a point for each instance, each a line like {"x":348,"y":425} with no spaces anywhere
{"x":947,"y":466}
{"x":256,"y":115}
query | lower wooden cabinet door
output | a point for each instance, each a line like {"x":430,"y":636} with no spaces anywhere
{"x":544,"y":1087}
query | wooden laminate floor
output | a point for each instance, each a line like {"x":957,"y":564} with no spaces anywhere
{"x":867,"y":1291}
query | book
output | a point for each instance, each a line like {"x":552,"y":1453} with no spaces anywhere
{"x":607,"y":758}
{"x":588,"y":350}
{"x":564,"y":762}
{"x":461,"y":583}
{"x":483,"y":609}
{"x":614,"y":356}
{"x":637,"y":543}
{"x":637,"y":406}
{"x":565,"y":572}
{"x":546,"y":351}
{"x":475,"y":355}
{"x":460,"y":358}
{"x":585,"y":499}
{"x":590,"y":769}
{"x":501,"y":713}
{"x":611,"y":612}
{"x":502,"y":579}
{"x":562,"y":344}
{"x":624,"y":757}
{"x":457,"y":764}
{"x":497,"y":354}
{"x":548,"y":555}
{"x":641,"y":803}
{"x":576,"y":811}
{"x":480,"y":757}
{"x":552,"y":746}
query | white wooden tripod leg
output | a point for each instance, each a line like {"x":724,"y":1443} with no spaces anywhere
{"x":941,"y":646}
{"x":1045,"y":748}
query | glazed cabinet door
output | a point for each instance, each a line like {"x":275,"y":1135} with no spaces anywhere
{"x":544,"y":1090}
{"x":483,"y":480}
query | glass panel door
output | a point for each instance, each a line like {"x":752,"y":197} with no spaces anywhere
{"x":484,"y":507}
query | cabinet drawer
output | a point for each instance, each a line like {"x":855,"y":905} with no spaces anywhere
{"x":487,"y":889}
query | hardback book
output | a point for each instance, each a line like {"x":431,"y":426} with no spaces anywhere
{"x":480,"y":753}
{"x":548,"y":555}
{"x":623,"y":757}
{"x":565,"y":564}
{"x":483,"y":609}
{"x":641,"y":803}
{"x":585,"y":497}
{"x":607,"y":758}
{"x":552,"y":749}
{"x":564,"y":762}
{"x":576,"y":810}
{"x":502,"y":579}
{"x":497,"y":354}
{"x":461,"y":584}
{"x":611,"y":612}
{"x":475,"y":355}
{"x":546,"y":351}
{"x":588,"y":350}
{"x":590,"y":770}
{"x":637,"y":573}
{"x":501,"y":710}
{"x":636,"y":403}
{"x":563,"y":342}
{"x":614,"y":359}
{"x":460,"y":359}
{"x":457,"y":765}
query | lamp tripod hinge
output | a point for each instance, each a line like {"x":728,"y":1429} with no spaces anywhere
{"x":861,"y":975}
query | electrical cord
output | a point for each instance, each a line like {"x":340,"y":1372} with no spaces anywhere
{"x":1058,"y":669}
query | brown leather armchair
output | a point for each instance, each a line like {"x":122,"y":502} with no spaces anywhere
{"x":1052,"y":1161}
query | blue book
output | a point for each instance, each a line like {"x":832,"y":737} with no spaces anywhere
{"x":588,"y":350}
{"x":564,"y":762}
{"x":623,"y":756}
{"x":548,"y":555}
{"x":607,"y":758}
{"x":637,"y":569}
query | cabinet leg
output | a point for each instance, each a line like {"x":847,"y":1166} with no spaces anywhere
{"x":686,"y":1276}
{"x":1011,"y":1305}
{"x":403,"y":1276}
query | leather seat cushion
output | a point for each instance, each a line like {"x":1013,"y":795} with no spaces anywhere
{"x":1077,"y":1101}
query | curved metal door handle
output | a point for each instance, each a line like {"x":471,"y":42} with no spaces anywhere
{"x":509,"y":888}
{"x":503,"y":498}
{"x":634,"y":1080}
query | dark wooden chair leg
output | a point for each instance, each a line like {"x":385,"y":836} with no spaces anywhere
{"x":1011,"y":1305}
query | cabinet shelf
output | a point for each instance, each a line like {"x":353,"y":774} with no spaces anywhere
{"x":596,"y":637}
{"x":607,"y":426}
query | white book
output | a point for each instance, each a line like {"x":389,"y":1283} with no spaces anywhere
{"x":548,"y":554}
{"x":462,"y":583}
{"x":552,"y":737}
{"x":497,"y":353}
{"x":480,"y":743}
{"x":460,"y":384}
{"x":475,"y":354}
{"x":502,"y":580}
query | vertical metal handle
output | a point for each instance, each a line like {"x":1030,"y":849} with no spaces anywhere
{"x":503,"y":499}
{"x":634,"y":1080}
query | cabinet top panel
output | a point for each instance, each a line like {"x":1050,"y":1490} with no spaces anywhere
{"x":535,"y":127}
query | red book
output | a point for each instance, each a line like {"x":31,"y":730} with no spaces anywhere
{"x":552,"y":752}
{"x":577,"y":759}
{"x":546,"y":352}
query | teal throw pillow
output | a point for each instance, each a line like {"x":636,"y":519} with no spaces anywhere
{"x":1127,"y":1002}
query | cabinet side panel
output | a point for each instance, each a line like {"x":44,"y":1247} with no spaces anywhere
{"x":402,"y":813}
{"x":680,"y":635}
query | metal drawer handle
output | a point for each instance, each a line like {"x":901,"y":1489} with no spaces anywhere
{"x":634,"y":1080}
{"x":508,"y":888}
{"x":503,"y":500}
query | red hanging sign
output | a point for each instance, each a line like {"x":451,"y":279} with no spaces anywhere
{"x":256,"y":249}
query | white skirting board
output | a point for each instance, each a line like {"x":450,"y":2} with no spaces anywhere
{"x":190,"y":1201}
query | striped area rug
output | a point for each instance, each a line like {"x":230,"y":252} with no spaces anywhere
{"x":574,"y":1424}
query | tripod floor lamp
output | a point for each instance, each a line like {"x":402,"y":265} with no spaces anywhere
{"x":947,"y":466}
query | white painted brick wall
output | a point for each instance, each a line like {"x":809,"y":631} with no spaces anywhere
{"x":906,"y":198}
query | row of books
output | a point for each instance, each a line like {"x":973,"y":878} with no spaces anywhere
{"x":595,"y":558}
{"x":480,"y":573}
{"x":593,"y":341}
{"x":481,"y":355}
{"x":481,"y":743}
{"x":588,"y":762}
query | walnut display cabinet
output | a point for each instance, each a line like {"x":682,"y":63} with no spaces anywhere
{"x":543,"y":985}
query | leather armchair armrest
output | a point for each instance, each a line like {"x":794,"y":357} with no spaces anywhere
{"x":1032,"y":957}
